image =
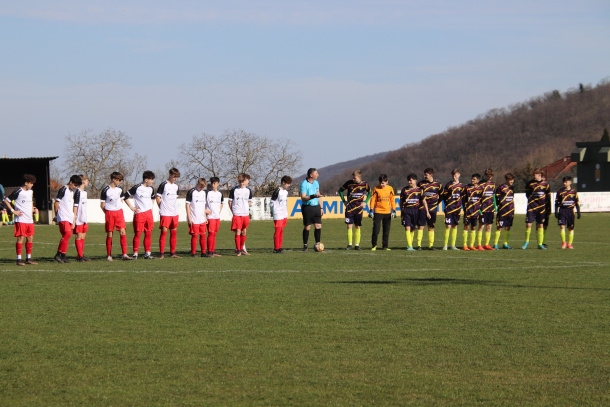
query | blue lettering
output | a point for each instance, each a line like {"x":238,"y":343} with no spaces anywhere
{"x":330,"y":208}
{"x":297,"y":208}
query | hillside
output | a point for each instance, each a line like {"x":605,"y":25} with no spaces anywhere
{"x":330,"y":171}
{"x":534,"y":133}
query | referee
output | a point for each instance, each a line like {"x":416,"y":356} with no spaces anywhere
{"x":311,"y":210}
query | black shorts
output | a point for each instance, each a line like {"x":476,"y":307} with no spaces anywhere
{"x":487,"y":218}
{"x":504,"y":221}
{"x":411,"y":218}
{"x":537,"y":217}
{"x":311,"y":214}
{"x":470,"y":220}
{"x":353,"y":219}
{"x":566,"y":218}
{"x":452,"y":219}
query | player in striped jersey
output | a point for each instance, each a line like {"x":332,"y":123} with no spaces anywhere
{"x":240,"y":200}
{"x":279,"y":211}
{"x":488,"y":207}
{"x":143,"y":195}
{"x":111,"y":202}
{"x":452,"y":196}
{"x":566,"y":200}
{"x":538,"y":193}
{"x":472,"y":206}
{"x":410,"y":212}
{"x":431,"y":191}
{"x":358,"y":195}
{"x":214,"y":202}
{"x":22,"y":209}
{"x":80,"y":219}
{"x":196,"y":216}
{"x":505,"y":200}
{"x":64,"y":215}
{"x":167,"y":194}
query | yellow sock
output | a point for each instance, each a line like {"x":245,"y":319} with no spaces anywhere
{"x":506,"y":236}
{"x":453,"y":236}
{"x":420,"y":236}
{"x":465,"y":236}
{"x":36,"y":217}
{"x":412,"y":235}
{"x":409,"y":238}
{"x":473,"y":236}
{"x":528,"y":232}
{"x":447,"y":233}
{"x":543,"y":235}
{"x":562,"y":232}
{"x":571,"y":237}
{"x":5,"y":218}
{"x":357,"y":237}
{"x":479,"y":237}
{"x":497,"y":236}
{"x":487,"y":237}
{"x":540,"y":236}
{"x":349,"y":237}
{"x":430,"y":238}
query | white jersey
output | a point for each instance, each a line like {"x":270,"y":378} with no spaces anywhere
{"x":240,"y":199}
{"x":65,"y":211}
{"x":142,"y":197}
{"x":80,"y":201}
{"x":196,"y":201}
{"x":214,"y":201}
{"x":23,"y":203}
{"x":169,"y":194}
{"x":279,"y":204}
{"x":113,"y":197}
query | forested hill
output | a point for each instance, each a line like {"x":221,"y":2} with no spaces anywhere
{"x":516,"y":138}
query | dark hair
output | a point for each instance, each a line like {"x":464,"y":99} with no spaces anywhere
{"x":116,"y":175}
{"x":202,"y":181}
{"x":311,"y":171}
{"x":286,"y":179}
{"x":174,"y":171}
{"x":537,"y":171}
{"x":489,"y":173}
{"x":214,"y":179}
{"x":242,"y":177}
{"x":477,"y":176}
{"x":567,"y":178}
{"x":383,"y":178}
{"x":412,"y":176}
{"x":29,"y":178}
{"x":148,"y":175}
{"x":455,"y":171}
{"x":429,"y":171}
{"x":509,"y":176}
{"x":76,"y":180}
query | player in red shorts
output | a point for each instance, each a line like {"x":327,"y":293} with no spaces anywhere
{"x":80,"y":219}
{"x":240,"y":200}
{"x":279,"y":211}
{"x":111,"y":202}
{"x":196,"y":213}
{"x":214,"y":202}
{"x":167,"y":194}
{"x":64,"y":215}
{"x":24,"y":224}
{"x":143,"y":196}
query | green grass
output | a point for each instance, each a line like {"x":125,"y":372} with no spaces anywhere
{"x":520,"y":327}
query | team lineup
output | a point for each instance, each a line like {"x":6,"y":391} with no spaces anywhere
{"x":481,"y":203}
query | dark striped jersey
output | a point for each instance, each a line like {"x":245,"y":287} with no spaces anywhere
{"x":452,"y":195}
{"x":505,"y":198}
{"x":472,"y":200}
{"x":566,"y":199}
{"x":410,"y":199}
{"x":357,"y":192}
{"x":487,"y":198}
{"x":538,"y":194}
{"x":431,"y":192}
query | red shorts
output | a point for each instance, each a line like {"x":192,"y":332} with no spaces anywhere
{"x":64,"y":227}
{"x":170,"y":222}
{"x":197,"y":229}
{"x":81,"y":228}
{"x":240,"y":222}
{"x":213,"y":225}
{"x":143,"y":221}
{"x":24,"y":229}
{"x":115,"y":219}
{"x":280,"y":223}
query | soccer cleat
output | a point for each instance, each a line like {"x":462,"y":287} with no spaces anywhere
{"x":349,"y":247}
{"x":356,"y":247}
{"x":525,"y":245}
{"x":206,"y":255}
{"x":245,"y":253}
{"x":487,"y":247}
{"x":564,"y":245}
{"x":465,"y":248}
{"x":109,"y":258}
{"x":386,"y":248}
{"x":545,"y":245}
{"x":495,"y":247}
{"x":238,"y":253}
{"x":570,"y":246}
{"x":30,"y":261}
{"x":281,"y":251}
{"x":373,"y":248}
{"x":432,"y":248}
{"x":304,"y":249}
{"x":20,"y":262}
{"x":507,"y":247}
{"x":410,"y":249}
{"x":80,"y":259}
{"x":193,"y":255}
{"x":126,"y":257}
{"x":541,"y":247}
{"x":63,"y":257}
{"x":58,"y":258}
{"x":445,"y":248}
{"x":148,"y":257}
{"x":473,"y":248}
{"x":214,"y":254}
{"x":161,"y":256}
{"x":479,"y":247}
{"x":135,"y":256}
{"x":419,"y":249}
{"x":454,"y":248}
{"x":174,"y":256}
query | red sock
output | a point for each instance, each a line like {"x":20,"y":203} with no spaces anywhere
{"x":193,"y":244}
{"x":65,"y":241}
{"x":19,"y":248}
{"x":211,"y":241}
{"x":136,"y":241}
{"x":237,"y":242}
{"x":124,"y":244}
{"x":202,"y":241}
{"x":109,"y":246}
{"x":80,"y":245}
{"x":28,"y":248}
{"x":147,"y":241}
{"x":173,"y":238}
{"x":242,"y":243}
{"x":162,"y":241}
{"x":277,"y":240}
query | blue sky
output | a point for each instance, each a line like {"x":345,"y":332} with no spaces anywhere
{"x":342,"y":79}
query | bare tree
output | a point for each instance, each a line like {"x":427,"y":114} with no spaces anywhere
{"x":237,"y":151}
{"x":99,"y":154}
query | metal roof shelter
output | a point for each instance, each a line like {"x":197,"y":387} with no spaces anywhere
{"x":593,"y":164}
{"x":11,"y":176}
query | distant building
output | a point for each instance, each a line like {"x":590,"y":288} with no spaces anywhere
{"x":593,"y":164}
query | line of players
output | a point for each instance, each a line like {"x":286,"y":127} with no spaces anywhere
{"x":479,"y":202}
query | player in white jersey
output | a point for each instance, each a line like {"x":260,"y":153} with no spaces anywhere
{"x":279,"y":211}
{"x":214,"y":202}
{"x":64,"y":215}
{"x":24,"y":224}
{"x":80,"y":219}
{"x":196,"y":216}
{"x":143,"y":196}
{"x":240,"y":200}
{"x":167,"y":194}
{"x":111,"y":201}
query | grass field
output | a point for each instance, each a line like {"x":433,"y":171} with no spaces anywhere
{"x":520,"y":327}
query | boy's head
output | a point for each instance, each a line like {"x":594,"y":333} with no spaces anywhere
{"x":201,"y":184}
{"x":510,"y":179}
{"x":412,"y":180}
{"x":85,"y":180}
{"x":174,"y":174}
{"x":383,"y":180}
{"x":214,"y":182}
{"x":489,"y":174}
{"x":75,"y":181}
{"x":357,"y":175}
{"x":429,"y":174}
{"x":312,"y":173}
{"x":148,"y":178}
{"x":29,"y":180}
{"x":476,"y":178}
{"x":286,"y":181}
{"x":567,"y":182}
{"x":537,"y":174}
{"x":116,"y":177}
{"x":243,"y":179}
